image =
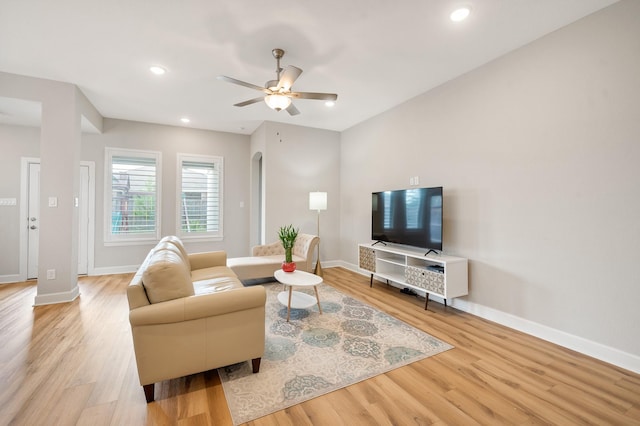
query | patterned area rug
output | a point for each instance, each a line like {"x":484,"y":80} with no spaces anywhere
{"x":315,"y":354}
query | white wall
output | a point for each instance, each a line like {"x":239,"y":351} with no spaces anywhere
{"x":538,"y":153}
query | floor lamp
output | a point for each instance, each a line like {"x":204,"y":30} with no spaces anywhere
{"x":318,"y":201}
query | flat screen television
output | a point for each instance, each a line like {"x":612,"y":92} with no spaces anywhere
{"x":411,"y":217}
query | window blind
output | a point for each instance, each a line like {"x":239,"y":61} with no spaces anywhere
{"x":200,"y":197}
{"x":134,"y":195}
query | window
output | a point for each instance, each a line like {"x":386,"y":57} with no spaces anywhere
{"x":132,"y":196}
{"x":387,"y":212}
{"x":200,"y":195}
{"x":413,"y":213}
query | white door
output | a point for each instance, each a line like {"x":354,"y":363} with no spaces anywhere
{"x":83,"y":221}
{"x":33,"y":221}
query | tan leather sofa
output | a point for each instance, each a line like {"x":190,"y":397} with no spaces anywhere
{"x":189,"y":313}
{"x":268,"y":258}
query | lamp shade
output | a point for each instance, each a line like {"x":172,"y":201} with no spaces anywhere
{"x":317,"y":201}
{"x":277,"y":102}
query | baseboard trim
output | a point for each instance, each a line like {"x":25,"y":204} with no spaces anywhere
{"x":110,"y":270}
{"x":61,"y":297}
{"x":579,"y":344}
{"x":6,"y":279}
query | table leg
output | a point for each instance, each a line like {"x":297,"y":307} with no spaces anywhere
{"x":315,"y":287}
{"x":289,"y":305}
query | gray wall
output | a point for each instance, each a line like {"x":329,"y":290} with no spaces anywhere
{"x":15,"y":142}
{"x":61,"y":107}
{"x":538,"y":153}
{"x":298,"y":160}
{"x":170,"y":141}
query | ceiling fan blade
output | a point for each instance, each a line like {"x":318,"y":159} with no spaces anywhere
{"x":289,"y":76}
{"x":243,"y":83}
{"x":311,"y":95}
{"x":292,"y":110}
{"x":249,"y":102}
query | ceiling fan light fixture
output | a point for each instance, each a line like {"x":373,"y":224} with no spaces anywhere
{"x":277,"y":102}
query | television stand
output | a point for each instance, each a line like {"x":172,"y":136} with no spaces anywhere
{"x":443,"y":276}
{"x":379,"y":242}
{"x":431,"y":250}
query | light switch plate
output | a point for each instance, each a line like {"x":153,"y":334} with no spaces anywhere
{"x":53,"y":201}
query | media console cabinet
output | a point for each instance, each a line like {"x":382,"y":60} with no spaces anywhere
{"x":437,"y":274}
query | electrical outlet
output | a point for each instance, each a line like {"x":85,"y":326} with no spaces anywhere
{"x":51,"y":274}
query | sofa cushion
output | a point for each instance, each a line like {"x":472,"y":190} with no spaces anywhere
{"x":166,"y":277}
{"x":166,"y":245}
{"x":215,"y":285}
{"x":172,"y":239}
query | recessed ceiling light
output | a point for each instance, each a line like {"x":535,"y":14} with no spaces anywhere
{"x":157,"y":69}
{"x":185,"y":120}
{"x":330,"y":103}
{"x":460,"y":14}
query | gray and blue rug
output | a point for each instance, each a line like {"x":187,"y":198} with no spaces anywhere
{"x":315,"y":354}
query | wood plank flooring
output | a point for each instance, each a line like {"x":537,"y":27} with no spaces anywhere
{"x":73,"y":364}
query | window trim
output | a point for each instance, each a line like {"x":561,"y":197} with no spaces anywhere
{"x":218,"y":161}
{"x":123,"y":240}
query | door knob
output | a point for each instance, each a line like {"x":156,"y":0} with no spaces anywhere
{"x":32,"y":219}
{"x":33,"y":227}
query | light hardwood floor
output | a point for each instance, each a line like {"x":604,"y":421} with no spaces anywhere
{"x":73,"y":363}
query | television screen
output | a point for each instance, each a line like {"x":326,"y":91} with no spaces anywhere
{"x":411,"y":217}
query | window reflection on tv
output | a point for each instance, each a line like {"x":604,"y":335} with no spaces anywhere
{"x":411,"y":217}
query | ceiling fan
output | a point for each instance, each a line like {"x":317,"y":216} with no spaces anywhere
{"x":278,"y":94}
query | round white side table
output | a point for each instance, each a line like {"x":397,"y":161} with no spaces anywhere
{"x":296,"y":299}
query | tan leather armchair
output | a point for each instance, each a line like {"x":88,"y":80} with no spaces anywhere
{"x":221,"y":323}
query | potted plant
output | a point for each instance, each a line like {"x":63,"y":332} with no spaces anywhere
{"x":288,"y":235}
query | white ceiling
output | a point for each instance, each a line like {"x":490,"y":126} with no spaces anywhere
{"x":375,"y":54}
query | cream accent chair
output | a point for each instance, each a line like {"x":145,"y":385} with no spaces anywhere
{"x":268,"y":258}
{"x":189,"y":313}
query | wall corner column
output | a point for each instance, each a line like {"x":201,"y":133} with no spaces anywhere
{"x":59,"y":191}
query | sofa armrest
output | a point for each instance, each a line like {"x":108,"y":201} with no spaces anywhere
{"x":207,"y":259}
{"x":199,"y":306}
{"x":268,"y":249}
